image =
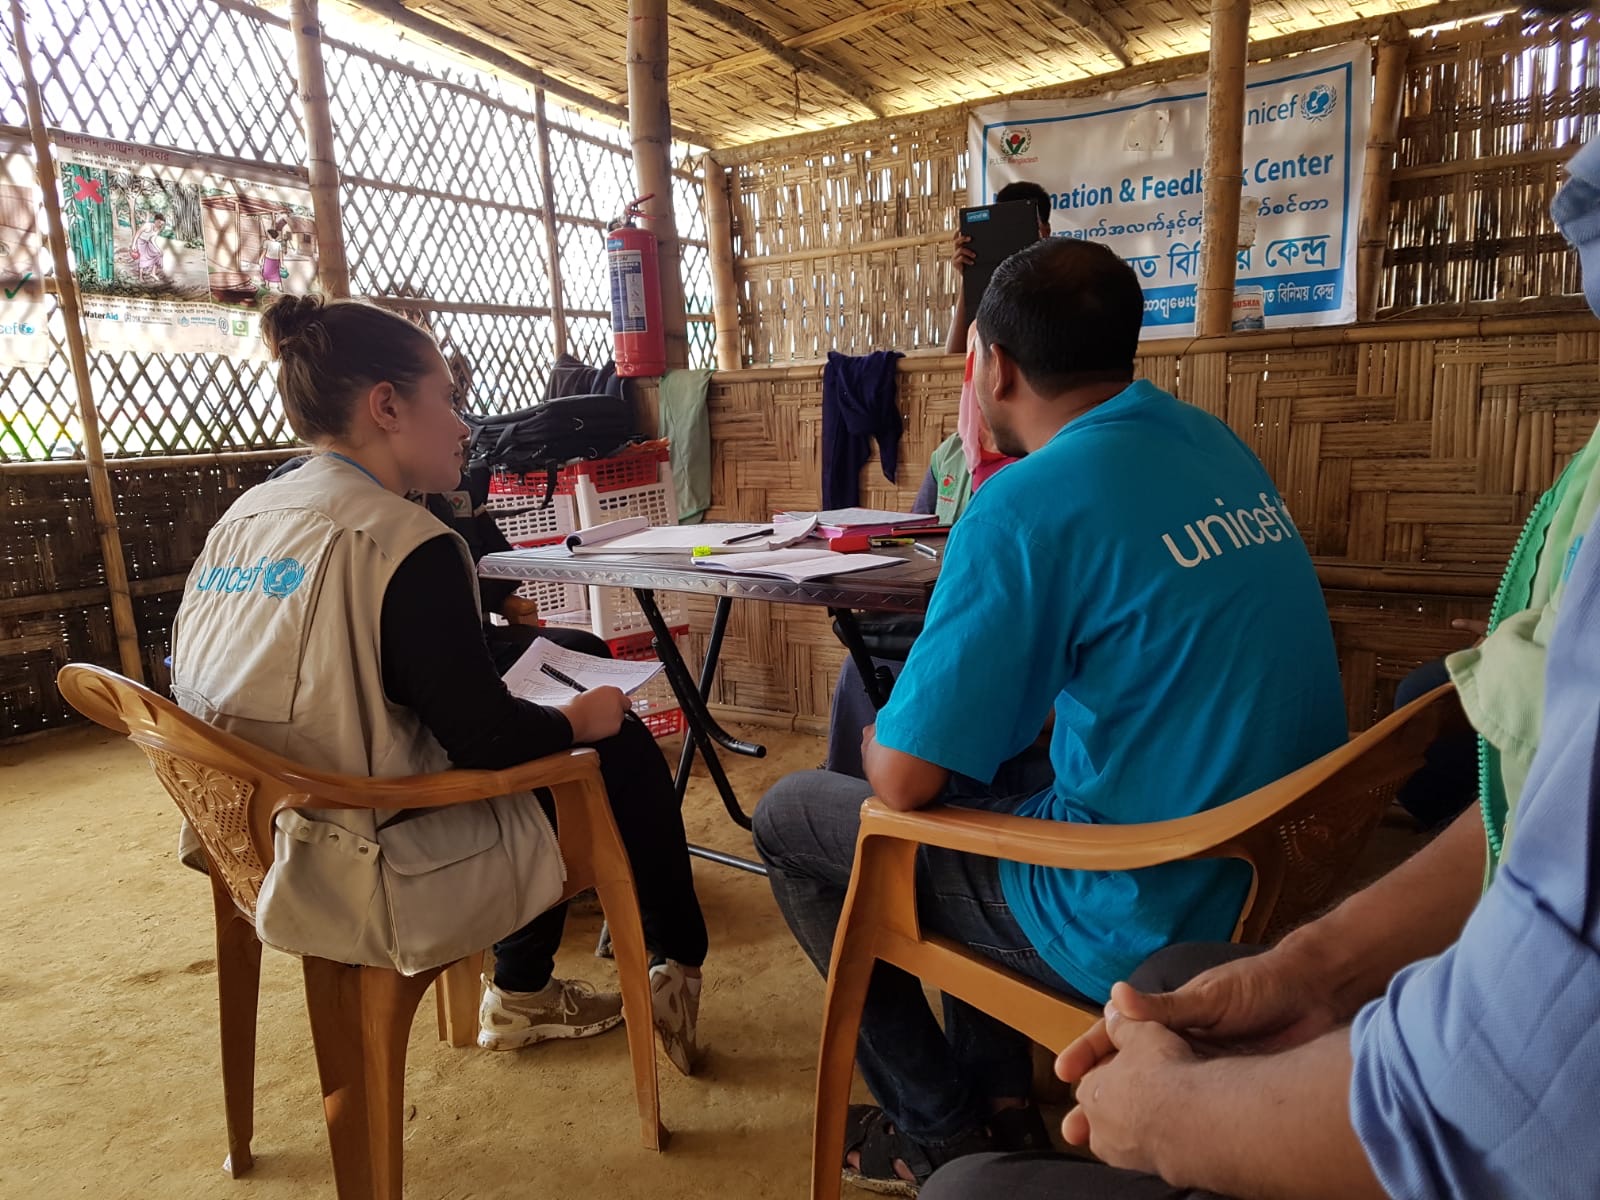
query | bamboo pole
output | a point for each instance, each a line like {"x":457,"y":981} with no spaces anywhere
{"x":724,"y":284}
{"x":104,"y":502}
{"x":552,"y":244}
{"x":1382,"y":141}
{"x":650,"y":126}
{"x":333,"y":272}
{"x":1224,"y":165}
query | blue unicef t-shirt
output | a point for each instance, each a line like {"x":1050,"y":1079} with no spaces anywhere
{"x":1141,"y":574}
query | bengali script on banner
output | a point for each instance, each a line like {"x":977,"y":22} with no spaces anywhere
{"x":1127,"y":169}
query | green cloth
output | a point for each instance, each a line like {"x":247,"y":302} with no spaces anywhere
{"x":684,"y":421}
{"x":952,"y":481}
{"x":1501,"y":680}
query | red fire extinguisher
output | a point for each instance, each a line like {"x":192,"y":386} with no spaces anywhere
{"x":640,"y":341}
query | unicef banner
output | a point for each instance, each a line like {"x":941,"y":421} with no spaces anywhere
{"x":1126,"y":169}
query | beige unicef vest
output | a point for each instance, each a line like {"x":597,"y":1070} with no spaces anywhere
{"x":277,"y":641}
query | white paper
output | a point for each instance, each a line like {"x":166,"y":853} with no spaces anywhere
{"x":719,"y":537}
{"x":527,"y":681}
{"x":850,"y":518}
{"x":796,"y":565}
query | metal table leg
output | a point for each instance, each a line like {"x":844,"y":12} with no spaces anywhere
{"x":708,"y":673}
{"x":703,"y":729}
{"x":874,"y":678}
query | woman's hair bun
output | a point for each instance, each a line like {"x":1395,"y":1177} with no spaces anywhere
{"x":294,"y":324}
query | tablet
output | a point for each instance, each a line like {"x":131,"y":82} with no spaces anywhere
{"x":997,"y":231}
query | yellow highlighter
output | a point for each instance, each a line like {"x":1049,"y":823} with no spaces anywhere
{"x":701,"y":552}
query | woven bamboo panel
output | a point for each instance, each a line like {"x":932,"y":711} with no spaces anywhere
{"x":909,"y":56}
{"x":1489,"y":113}
{"x":1400,"y":460}
{"x":54,"y":608}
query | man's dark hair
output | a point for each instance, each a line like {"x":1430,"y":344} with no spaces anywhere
{"x":1067,"y":311}
{"x":1027,"y":191}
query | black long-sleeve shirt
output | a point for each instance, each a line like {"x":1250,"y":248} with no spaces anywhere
{"x":436,"y":663}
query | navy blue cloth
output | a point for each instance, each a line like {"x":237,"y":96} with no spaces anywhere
{"x":858,"y":406}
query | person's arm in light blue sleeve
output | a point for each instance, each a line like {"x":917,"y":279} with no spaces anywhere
{"x":982,"y":676}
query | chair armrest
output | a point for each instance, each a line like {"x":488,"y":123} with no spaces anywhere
{"x":441,"y":788}
{"x":1079,"y":847}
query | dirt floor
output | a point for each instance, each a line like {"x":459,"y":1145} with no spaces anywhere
{"x":109,"y":1078}
{"x":110,"y":1084}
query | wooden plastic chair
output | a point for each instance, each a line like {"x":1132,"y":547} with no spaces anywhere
{"x":231,"y":791}
{"x":1301,"y":835}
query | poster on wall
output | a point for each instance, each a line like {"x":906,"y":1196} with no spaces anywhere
{"x":1127,"y":169}
{"x":24,"y":333}
{"x":171,"y":256}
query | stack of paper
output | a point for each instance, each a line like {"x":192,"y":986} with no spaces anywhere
{"x":635,"y":535}
{"x":530,"y":680}
{"x":834,"y":521}
{"x":797,"y":565}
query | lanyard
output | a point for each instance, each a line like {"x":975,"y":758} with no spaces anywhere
{"x":347,"y":459}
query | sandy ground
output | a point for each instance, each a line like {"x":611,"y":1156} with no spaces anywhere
{"x":110,"y":1084}
{"x":109,"y":1078}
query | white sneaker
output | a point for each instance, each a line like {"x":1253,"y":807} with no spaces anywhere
{"x":565,"y":1008}
{"x":675,"y":1008}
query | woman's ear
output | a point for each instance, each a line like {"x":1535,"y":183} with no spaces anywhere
{"x":383,"y":406}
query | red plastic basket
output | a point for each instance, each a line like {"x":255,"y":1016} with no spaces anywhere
{"x":635,"y":466}
{"x":655,"y":704}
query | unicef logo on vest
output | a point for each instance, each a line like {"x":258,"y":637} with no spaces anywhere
{"x":279,"y":578}
{"x":282,"y":577}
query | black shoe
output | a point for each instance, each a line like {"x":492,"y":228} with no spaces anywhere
{"x":1015,"y":1130}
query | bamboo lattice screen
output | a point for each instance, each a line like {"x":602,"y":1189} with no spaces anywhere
{"x":841,"y":239}
{"x":441,"y":203}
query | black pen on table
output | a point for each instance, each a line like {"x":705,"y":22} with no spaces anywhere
{"x":748,"y":537}
{"x":563,"y":678}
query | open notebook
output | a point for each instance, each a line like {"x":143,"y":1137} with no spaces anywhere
{"x":797,"y":565}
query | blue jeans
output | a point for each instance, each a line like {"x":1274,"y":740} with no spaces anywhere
{"x":935,"y":1084}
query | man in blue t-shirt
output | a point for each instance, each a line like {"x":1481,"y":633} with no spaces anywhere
{"x":1159,"y":605}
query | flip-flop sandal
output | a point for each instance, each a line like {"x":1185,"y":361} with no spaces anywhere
{"x":870,"y":1133}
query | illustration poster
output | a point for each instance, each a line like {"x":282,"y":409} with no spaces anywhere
{"x":170,"y":255}
{"x":1127,"y":169}
{"x":24,"y":334}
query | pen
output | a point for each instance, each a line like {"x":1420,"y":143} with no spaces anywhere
{"x":748,"y":537}
{"x":891,"y":541}
{"x":563,"y":678}
{"x":930,"y":551}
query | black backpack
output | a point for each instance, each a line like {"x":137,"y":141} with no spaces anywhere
{"x":550,"y":435}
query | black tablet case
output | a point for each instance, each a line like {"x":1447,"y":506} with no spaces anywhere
{"x":997,"y":231}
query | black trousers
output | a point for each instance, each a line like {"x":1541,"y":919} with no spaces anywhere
{"x":1061,"y":1176}
{"x":645,"y":806}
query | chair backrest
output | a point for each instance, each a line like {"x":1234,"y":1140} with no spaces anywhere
{"x":1322,"y":816}
{"x":227,"y":789}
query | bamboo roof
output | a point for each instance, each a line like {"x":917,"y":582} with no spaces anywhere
{"x":755,"y":69}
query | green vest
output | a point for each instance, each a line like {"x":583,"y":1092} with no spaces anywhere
{"x":952,"y":481}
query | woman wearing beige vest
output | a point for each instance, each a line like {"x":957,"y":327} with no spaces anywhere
{"x":331,"y":620}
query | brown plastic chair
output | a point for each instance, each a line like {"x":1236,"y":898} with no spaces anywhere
{"x":1301,"y":835}
{"x":231,"y":791}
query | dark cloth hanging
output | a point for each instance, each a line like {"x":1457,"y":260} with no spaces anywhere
{"x":858,"y":407}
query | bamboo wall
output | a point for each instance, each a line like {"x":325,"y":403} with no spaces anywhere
{"x":1409,"y":463}
{"x":54,"y":603}
{"x":841,"y":241}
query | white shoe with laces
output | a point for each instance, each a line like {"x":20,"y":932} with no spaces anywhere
{"x":563,"y":1008}
{"x":675,"y":1010}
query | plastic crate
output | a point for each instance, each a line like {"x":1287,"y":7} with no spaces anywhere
{"x":654,"y":703}
{"x":530,"y":522}
{"x":632,"y":467}
{"x":614,"y":612}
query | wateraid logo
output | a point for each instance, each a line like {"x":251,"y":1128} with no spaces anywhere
{"x":278,"y":578}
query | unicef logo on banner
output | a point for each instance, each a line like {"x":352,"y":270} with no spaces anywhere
{"x":282,"y":577}
{"x":1320,"y":102}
